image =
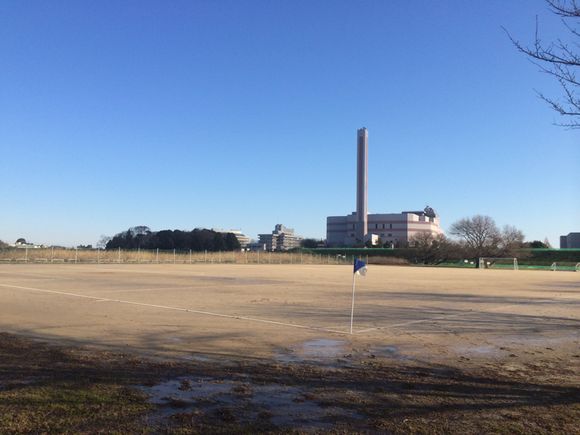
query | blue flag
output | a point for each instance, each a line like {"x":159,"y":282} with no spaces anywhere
{"x":360,"y":267}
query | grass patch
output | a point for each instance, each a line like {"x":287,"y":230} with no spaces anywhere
{"x":73,"y":407}
{"x":46,"y":390}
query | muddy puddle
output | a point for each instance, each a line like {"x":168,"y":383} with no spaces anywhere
{"x":323,"y":348}
{"x":319,"y":351}
{"x":281,"y":405}
{"x":329,"y":352}
{"x":508,"y":346}
{"x":389,"y":352}
{"x":504,"y":346}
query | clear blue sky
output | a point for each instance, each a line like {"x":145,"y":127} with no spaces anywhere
{"x":243,"y":114}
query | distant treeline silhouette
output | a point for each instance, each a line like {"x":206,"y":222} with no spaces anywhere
{"x":200,"y":239}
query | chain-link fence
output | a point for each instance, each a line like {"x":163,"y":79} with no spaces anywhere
{"x":158,"y":256}
{"x":175,"y":256}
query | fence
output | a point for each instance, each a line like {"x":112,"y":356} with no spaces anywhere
{"x":531,"y":257}
{"x":157,"y":256}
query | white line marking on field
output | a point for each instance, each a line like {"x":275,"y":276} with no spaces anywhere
{"x":448,"y":316}
{"x":187,"y":310}
{"x":150,"y":272}
{"x":19,"y":274}
{"x":138,"y":290}
{"x":412,"y":322}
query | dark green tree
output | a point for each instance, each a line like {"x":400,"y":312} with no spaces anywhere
{"x":536,"y":244}
{"x":232,"y":243}
{"x":309,"y":243}
{"x":197,"y":240}
{"x":218,"y":242}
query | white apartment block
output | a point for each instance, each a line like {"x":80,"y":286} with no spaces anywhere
{"x":281,"y":239}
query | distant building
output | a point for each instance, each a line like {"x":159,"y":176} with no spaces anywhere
{"x":281,"y":239}
{"x":572,"y":240}
{"x":23,"y":244}
{"x":390,"y":228}
{"x":242,"y":238}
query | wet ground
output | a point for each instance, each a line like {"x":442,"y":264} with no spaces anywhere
{"x":267,"y":348}
{"x":280,"y":405}
{"x":335,"y":353}
{"x":45,"y":388}
{"x":328,"y":385}
{"x":284,"y":406}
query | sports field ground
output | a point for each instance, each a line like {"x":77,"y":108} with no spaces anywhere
{"x":504,"y":324}
{"x":269,"y":309}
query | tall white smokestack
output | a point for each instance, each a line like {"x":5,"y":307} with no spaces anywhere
{"x":361,"y":184}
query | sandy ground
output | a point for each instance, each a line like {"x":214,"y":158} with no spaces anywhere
{"x":301,"y":312}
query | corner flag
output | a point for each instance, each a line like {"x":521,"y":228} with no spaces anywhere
{"x":360,"y":268}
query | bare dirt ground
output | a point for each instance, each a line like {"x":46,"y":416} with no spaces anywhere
{"x":266,"y":347}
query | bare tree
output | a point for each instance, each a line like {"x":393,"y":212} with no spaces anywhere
{"x":480,"y":235}
{"x":511,"y":240}
{"x":422,"y":240}
{"x":432,"y":249}
{"x":482,"y":238}
{"x":102,"y":243}
{"x":560,"y":59}
{"x":140,"y":230}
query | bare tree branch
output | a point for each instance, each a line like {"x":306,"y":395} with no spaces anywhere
{"x":560,"y":59}
{"x":563,"y":8}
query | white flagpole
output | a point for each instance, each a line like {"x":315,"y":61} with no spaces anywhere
{"x":352,"y":305}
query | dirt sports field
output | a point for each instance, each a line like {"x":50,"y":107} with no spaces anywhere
{"x":210,"y":348}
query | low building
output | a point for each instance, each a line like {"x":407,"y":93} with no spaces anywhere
{"x":23,"y":244}
{"x":571,"y":241}
{"x":281,"y":239}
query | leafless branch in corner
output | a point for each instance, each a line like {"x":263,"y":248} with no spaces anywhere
{"x":560,"y":59}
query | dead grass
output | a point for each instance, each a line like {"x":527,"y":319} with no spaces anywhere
{"x":93,"y":256}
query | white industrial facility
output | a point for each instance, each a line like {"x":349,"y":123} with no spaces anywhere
{"x":358,"y":228}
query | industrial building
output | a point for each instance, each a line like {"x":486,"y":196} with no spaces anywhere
{"x":390,"y":229}
{"x":571,"y":241}
{"x":281,"y":239}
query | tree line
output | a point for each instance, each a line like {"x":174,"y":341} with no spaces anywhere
{"x":470,"y":238}
{"x":200,"y":239}
{"x":475,"y":237}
